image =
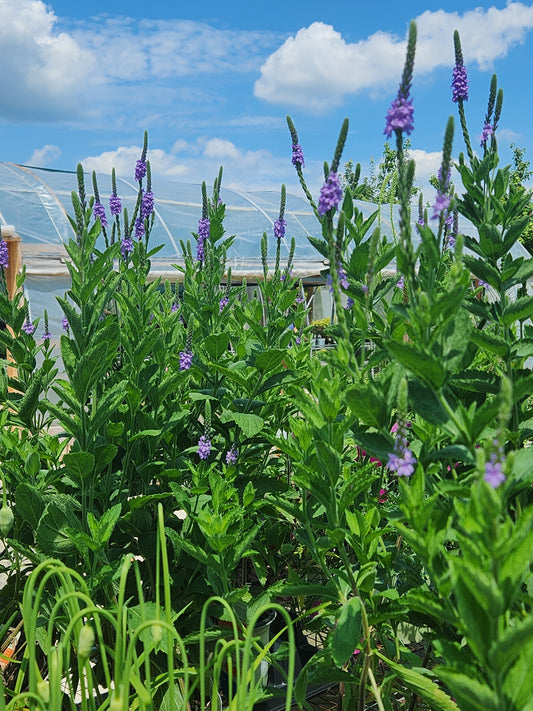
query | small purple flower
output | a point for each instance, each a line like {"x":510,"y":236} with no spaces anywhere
{"x":488,"y":130}
{"x":203,"y":235}
{"x":174,"y":308}
{"x":442,"y":204}
{"x":494,"y":475}
{"x":204,"y":447}
{"x":139,"y":228}
{"x":231,"y":455}
{"x":349,"y":303}
{"x":330,"y":194}
{"x":126,"y":247}
{"x":64,"y":323}
{"x":4,"y":254}
{"x":28,"y":327}
{"x":99,"y":212}
{"x":47,"y":336}
{"x":115,"y":205}
{"x":401,"y":282}
{"x":401,"y":459}
{"x":140,"y":170}
{"x":399,"y":116}
{"x":224,"y":301}
{"x":279,"y":228}
{"x":185,"y":360}
{"x":365,"y":288}
{"x":343,"y":279}
{"x":300,"y":299}
{"x":147,"y":204}
{"x":297,"y":155}
{"x":459,"y":84}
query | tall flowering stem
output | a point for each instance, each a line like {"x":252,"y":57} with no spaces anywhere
{"x":460,"y":90}
{"x":298,"y":162}
{"x":442,"y":207}
{"x":279,"y":227}
{"x":399,"y":120}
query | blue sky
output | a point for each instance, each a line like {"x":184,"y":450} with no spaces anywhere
{"x":212,"y":83}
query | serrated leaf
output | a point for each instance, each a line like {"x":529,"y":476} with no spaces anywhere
{"x":30,"y":504}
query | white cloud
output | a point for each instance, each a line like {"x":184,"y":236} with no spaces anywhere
{"x":49,"y":74}
{"x":427,"y":163}
{"x":243,"y":169}
{"x":42,"y":70}
{"x":317,"y":68}
{"x":42,"y":157}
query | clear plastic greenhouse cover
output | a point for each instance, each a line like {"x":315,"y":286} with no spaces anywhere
{"x":37,"y":200}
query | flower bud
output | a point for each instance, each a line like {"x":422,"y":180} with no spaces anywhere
{"x":86,"y":641}
{"x":43,"y":689}
{"x":6,"y":520}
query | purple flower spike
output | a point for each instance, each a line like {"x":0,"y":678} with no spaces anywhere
{"x":147,"y":204}
{"x":28,"y":327}
{"x":139,"y":227}
{"x":330,"y":194}
{"x":115,"y":205}
{"x":231,"y":455}
{"x":399,"y":116}
{"x":4,"y":254}
{"x":297,"y":155}
{"x":185,"y":360}
{"x":401,"y":459}
{"x":126,"y":247}
{"x":204,"y":447}
{"x":99,"y":211}
{"x":203,"y":234}
{"x":64,"y":323}
{"x":140,"y":170}
{"x":459,"y":84}
{"x":224,"y":301}
{"x":494,"y":475}
{"x":279,"y":228}
{"x":442,"y":204}
{"x":488,"y":130}
{"x":47,"y":336}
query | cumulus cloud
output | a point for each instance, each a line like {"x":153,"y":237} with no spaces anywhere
{"x":42,"y":157}
{"x":317,"y":68}
{"x":42,"y":70}
{"x":79,"y":70}
{"x":194,"y":162}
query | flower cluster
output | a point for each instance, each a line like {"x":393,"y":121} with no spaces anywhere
{"x":139,"y":228}
{"x":487,"y":132}
{"x":185,"y":359}
{"x":203,"y":234}
{"x":115,"y":205}
{"x":401,"y":459}
{"x":64,"y":323}
{"x":126,"y":246}
{"x":232,"y":454}
{"x":147,"y":204}
{"x":494,"y":475}
{"x":140,"y":170}
{"x":459,"y":83}
{"x":224,"y":301}
{"x":400,"y":116}
{"x":330,"y":194}
{"x":297,"y":155}
{"x":28,"y":327}
{"x":204,"y":447}
{"x":442,"y":205}
{"x":279,"y":228}
{"x":99,"y":212}
{"x":4,"y":254}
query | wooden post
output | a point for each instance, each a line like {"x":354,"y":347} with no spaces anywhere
{"x":14,"y":266}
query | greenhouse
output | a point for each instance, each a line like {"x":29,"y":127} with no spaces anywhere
{"x":36,"y":202}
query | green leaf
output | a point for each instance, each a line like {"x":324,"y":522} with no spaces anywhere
{"x":216,"y":344}
{"x":421,"y":364}
{"x":471,"y":694}
{"x":30,"y":504}
{"x":79,"y":465}
{"x":347,"y":633}
{"x":249,"y":424}
{"x":28,"y":405}
{"x":53,"y":536}
{"x":423,"y":686}
{"x":518,"y":310}
{"x":505,"y":651}
{"x":368,"y":404}
{"x":266,"y":361}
